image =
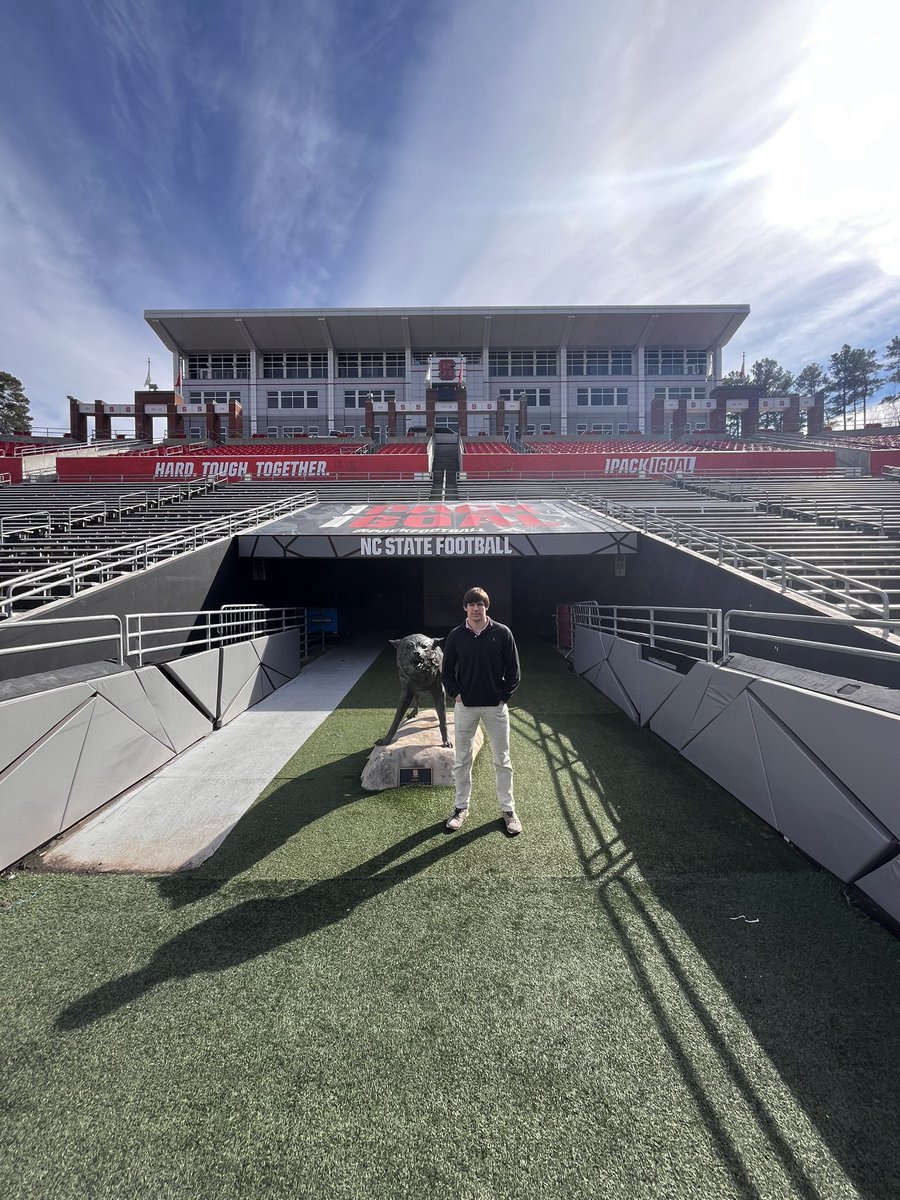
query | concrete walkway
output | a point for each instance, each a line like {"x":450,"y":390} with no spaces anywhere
{"x":179,"y":816}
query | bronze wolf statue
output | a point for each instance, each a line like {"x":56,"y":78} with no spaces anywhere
{"x":419,"y":661}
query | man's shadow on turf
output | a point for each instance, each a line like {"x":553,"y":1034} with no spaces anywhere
{"x":267,"y":825}
{"x":257,"y":926}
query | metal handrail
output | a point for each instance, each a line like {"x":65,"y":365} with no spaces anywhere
{"x":888,"y":629}
{"x":87,"y":571}
{"x":628,"y":620}
{"x":782,"y":570}
{"x":134,"y":637}
{"x":116,"y":637}
{"x":208,"y":629}
{"x":35,"y":522}
{"x":88,"y":511}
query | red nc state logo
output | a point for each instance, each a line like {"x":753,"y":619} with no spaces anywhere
{"x":446,"y":369}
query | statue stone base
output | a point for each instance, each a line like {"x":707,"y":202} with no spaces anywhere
{"x":416,"y":751}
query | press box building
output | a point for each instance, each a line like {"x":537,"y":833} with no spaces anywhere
{"x":391,"y":371}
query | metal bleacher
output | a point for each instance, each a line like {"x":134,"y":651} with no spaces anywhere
{"x":58,"y":539}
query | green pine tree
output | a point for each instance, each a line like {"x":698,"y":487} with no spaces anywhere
{"x":15,"y":409}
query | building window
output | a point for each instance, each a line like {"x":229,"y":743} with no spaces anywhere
{"x":674,"y":360}
{"x":357,"y":399}
{"x":293,"y":365}
{"x":473,"y":357}
{"x":534,"y":397}
{"x":679,"y":393}
{"x":293,"y":399}
{"x":218,"y":366}
{"x":601,"y":397}
{"x":205,"y":397}
{"x":513,"y":363}
{"x":372,"y":364}
{"x":599,"y":362}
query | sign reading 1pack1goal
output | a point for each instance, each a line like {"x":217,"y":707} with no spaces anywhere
{"x":491,"y":529}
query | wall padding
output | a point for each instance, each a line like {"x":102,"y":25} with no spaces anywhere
{"x":67,"y":752}
{"x":817,"y":768}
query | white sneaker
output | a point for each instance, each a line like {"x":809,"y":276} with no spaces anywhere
{"x":459,"y":815}
{"x":512,"y":822}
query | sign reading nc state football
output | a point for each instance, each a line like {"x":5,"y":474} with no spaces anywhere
{"x":433,"y":530}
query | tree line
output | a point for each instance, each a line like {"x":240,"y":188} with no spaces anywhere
{"x":854,"y":377}
{"x":15,"y":408}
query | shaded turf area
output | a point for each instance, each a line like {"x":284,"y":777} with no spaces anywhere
{"x":347,"y":1001}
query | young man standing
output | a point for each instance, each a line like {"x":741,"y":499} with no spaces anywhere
{"x":481,"y":672}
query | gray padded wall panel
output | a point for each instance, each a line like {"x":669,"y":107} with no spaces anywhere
{"x":657,"y":684}
{"x":183,"y":722}
{"x":724,"y":687}
{"x":883,"y":886}
{"x":33,"y":794}
{"x":198,"y":675}
{"x":859,"y":745}
{"x":589,"y":653}
{"x":672,"y":721}
{"x":116,"y":754}
{"x":26,"y":719}
{"x":256,"y":688}
{"x":126,"y":694}
{"x":280,"y":652}
{"x":815,"y":810}
{"x":625,"y":660}
{"x":728,"y":751}
{"x":239,"y":672}
{"x":611,"y":687}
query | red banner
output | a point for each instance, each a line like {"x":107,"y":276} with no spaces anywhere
{"x":258,"y":468}
{"x":697,"y":463}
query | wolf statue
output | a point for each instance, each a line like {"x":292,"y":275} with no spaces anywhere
{"x":419,"y":661}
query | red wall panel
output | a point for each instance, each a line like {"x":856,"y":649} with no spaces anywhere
{"x":11,"y":467}
{"x":299,"y":469}
{"x":545,"y":465}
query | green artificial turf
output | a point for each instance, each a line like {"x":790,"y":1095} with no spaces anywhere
{"x":347,"y":1001}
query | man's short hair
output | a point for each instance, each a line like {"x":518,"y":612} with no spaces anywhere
{"x":476,"y":594}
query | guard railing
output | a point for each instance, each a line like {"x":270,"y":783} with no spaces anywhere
{"x":694,"y":631}
{"x":158,"y":636}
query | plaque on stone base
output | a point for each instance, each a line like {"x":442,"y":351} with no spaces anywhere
{"x":415,"y":749}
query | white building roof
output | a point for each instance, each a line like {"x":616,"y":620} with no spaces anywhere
{"x":428,"y":329}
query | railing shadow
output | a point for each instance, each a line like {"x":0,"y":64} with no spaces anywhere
{"x":674,"y":862}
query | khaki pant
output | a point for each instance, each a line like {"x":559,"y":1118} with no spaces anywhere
{"x":495,"y":718}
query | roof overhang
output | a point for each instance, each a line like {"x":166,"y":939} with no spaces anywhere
{"x":426,"y":329}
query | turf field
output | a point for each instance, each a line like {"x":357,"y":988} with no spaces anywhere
{"x":647,"y":994}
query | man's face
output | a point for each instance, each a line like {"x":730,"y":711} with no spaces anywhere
{"x":476,"y":614}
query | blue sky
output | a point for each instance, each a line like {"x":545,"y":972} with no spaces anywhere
{"x":279,"y":153}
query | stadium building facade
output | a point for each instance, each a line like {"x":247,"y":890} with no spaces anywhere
{"x":512,"y":372}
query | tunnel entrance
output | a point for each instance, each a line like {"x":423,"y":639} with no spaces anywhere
{"x":425,"y":595}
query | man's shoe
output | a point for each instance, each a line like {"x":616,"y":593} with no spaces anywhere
{"x":512,"y":822}
{"x":459,"y":815}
